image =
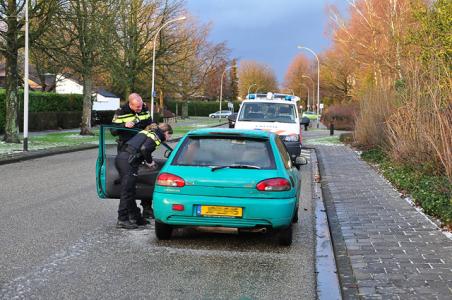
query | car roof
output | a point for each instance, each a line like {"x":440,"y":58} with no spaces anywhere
{"x":229,"y":132}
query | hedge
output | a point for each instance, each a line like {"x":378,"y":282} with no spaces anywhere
{"x":200,"y":108}
{"x":46,"y":120}
{"x":67,"y":105}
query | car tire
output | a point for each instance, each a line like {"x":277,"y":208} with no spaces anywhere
{"x":285,"y":236}
{"x":295,"y":216}
{"x":163,"y":231}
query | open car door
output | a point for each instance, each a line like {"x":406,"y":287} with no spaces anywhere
{"x":107,"y":176}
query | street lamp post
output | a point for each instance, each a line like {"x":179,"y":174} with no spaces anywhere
{"x":221,"y":86}
{"x":153,"y":60}
{"x":257,"y":89}
{"x":26,"y":93}
{"x":250,"y":88}
{"x":318,"y":80}
{"x":313,"y":85}
{"x":307,"y":108}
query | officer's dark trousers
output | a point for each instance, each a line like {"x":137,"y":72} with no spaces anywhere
{"x":128,"y":174}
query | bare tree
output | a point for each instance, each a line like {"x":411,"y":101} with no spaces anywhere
{"x":76,"y":42}
{"x":261,"y":75}
{"x":12,"y":39}
{"x":198,"y":59}
{"x":294,"y":79}
{"x":129,"y":55}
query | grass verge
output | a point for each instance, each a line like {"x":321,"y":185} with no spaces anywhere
{"x":431,"y":192}
{"x":72,"y":138}
{"x":326,"y":140}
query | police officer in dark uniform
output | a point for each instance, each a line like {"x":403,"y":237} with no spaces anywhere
{"x":134,"y":115}
{"x":134,"y":152}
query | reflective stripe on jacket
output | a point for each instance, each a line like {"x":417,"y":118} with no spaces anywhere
{"x":142,"y":145}
{"x":135,"y":118}
{"x":152,"y":135}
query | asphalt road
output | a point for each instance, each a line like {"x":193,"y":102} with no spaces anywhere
{"x":59,"y":241}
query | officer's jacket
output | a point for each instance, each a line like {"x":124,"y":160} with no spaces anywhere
{"x":124,"y":114}
{"x":143,"y":144}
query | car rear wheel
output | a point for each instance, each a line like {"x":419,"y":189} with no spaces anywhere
{"x":285,"y":236}
{"x":163,"y":231}
{"x":295,"y":216}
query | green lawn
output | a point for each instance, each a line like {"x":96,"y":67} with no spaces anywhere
{"x":64,"y":138}
{"x":327,"y":140}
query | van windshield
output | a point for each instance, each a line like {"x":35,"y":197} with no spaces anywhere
{"x":268,"y":112}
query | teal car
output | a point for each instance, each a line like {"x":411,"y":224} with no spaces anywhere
{"x":233,"y":178}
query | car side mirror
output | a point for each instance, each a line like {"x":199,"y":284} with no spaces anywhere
{"x":167,"y":153}
{"x":300,"y":161}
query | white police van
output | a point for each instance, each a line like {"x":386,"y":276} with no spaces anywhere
{"x":277,"y":113}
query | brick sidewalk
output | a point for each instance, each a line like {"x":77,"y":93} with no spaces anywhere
{"x":384,"y":248}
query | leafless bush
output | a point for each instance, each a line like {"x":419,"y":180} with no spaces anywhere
{"x":419,"y":132}
{"x":376,"y":106}
{"x":343,"y":116}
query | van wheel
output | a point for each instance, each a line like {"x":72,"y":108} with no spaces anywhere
{"x":285,"y":236}
{"x":163,"y":231}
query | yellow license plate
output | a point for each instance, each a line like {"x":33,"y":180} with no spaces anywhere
{"x":221,"y":211}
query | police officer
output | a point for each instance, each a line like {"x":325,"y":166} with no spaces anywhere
{"x":134,"y":115}
{"x":134,"y":152}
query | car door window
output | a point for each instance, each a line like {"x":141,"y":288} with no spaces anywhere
{"x":284,"y":154}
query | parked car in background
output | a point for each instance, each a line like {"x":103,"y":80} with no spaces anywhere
{"x":242,"y":179}
{"x":231,"y":120}
{"x":221,"y":113}
{"x":310,"y":114}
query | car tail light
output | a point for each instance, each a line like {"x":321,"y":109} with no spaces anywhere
{"x":178,"y":207}
{"x":273,"y":185}
{"x":167,"y":179}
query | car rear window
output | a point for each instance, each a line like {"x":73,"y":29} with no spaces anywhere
{"x":225,"y":151}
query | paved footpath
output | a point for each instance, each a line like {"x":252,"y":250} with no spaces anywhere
{"x":384,"y":248}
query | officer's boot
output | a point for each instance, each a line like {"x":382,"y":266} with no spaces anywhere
{"x":137,"y":218}
{"x":148,"y":213}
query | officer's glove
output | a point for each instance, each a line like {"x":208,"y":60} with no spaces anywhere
{"x":151,"y":165}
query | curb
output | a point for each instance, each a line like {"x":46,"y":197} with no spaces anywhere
{"x":348,"y":285}
{"x":328,"y":286}
{"x":22,"y":156}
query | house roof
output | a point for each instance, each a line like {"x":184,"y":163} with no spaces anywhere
{"x":106,"y":93}
{"x":34,"y":80}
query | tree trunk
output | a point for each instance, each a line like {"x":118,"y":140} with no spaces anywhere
{"x":12,"y":79}
{"x":127,"y":92}
{"x":85,"y":126}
